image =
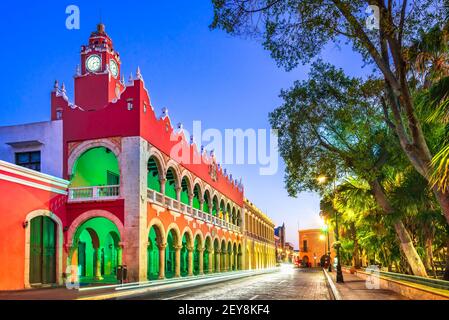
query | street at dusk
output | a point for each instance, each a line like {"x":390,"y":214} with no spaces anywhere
{"x":295,"y":285}
{"x":223,"y":158}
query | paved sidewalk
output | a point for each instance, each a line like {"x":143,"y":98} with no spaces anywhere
{"x":355,"y":288}
{"x":61,"y":293}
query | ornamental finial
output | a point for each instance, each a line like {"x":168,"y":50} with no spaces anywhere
{"x":138,"y":73}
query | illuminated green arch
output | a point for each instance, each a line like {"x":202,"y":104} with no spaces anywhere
{"x":153,"y":254}
{"x":208,"y":247}
{"x":215,"y":206}
{"x":170,"y":183}
{"x":153,"y":178}
{"x":206,"y":204}
{"x":185,"y":190}
{"x":96,"y":167}
{"x":98,"y":251}
{"x":197,"y":244}
{"x":196,"y":197}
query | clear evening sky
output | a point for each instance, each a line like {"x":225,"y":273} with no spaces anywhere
{"x":198,"y":74}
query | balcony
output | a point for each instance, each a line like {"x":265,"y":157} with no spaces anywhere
{"x":97,"y":193}
{"x":175,"y":205}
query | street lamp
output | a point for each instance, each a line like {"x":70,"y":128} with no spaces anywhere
{"x":339,"y":273}
{"x":325,"y":229}
{"x":321,"y":179}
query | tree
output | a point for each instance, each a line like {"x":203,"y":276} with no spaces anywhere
{"x":333,"y":125}
{"x":295,"y":31}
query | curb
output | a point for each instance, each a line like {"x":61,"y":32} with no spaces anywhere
{"x":336,"y":294}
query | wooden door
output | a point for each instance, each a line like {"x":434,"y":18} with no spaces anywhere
{"x":42,"y":251}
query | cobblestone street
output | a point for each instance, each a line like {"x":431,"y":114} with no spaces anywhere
{"x":295,"y":284}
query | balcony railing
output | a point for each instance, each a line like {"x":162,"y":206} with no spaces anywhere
{"x":172,"y":204}
{"x":96,"y":193}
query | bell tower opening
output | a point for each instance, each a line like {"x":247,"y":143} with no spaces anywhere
{"x":97,"y":81}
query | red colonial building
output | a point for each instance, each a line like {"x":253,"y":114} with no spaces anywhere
{"x":134,"y":190}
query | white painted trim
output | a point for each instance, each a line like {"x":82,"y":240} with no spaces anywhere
{"x":15,"y":169}
{"x":59,"y":242}
{"x":32,"y":184}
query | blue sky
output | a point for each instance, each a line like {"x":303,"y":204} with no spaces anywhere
{"x":198,"y":74}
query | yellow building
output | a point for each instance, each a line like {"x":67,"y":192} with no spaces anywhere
{"x":259,"y":238}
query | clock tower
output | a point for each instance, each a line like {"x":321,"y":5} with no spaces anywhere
{"x":97,"y":80}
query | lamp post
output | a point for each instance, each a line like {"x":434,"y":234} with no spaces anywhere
{"x":321,"y":180}
{"x":326,"y":231}
{"x":339,"y":272}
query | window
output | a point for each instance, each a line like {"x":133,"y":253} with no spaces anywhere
{"x":304,"y":244}
{"x":112,"y":179}
{"x":130,"y":104}
{"x":30,"y":160}
{"x":58,"y":114}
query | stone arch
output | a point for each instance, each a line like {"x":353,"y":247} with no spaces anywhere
{"x":173,"y":226}
{"x":233,"y":215}
{"x":208,"y":237}
{"x":177,"y":172}
{"x":155,"y":241}
{"x":59,"y":244}
{"x":159,"y":160}
{"x":199,"y":234}
{"x":186,"y":188}
{"x":87,"y":145}
{"x":159,"y":228}
{"x":188,"y":231}
{"x":199,"y":182}
{"x":215,"y":204}
{"x":89,"y":215}
{"x":187,"y":175}
{"x":228,"y":211}
{"x":97,"y":233}
{"x":207,"y":198}
{"x":238,"y":219}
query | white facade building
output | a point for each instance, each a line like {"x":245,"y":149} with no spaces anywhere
{"x":37,"y":146}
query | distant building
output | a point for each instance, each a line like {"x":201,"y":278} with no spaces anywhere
{"x":284,"y":250}
{"x":314,"y":246}
{"x":260,"y":240}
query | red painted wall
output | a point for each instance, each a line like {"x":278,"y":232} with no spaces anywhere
{"x":16,"y":202}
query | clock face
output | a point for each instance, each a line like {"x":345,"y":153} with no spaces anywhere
{"x":114,"y":68}
{"x":93,"y":63}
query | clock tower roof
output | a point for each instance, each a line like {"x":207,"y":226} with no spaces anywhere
{"x":100,"y":37}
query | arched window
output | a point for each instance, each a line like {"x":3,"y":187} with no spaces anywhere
{"x":153,"y":178}
{"x":233,"y":217}
{"x":206,"y":204}
{"x":185,"y":188}
{"x":222,"y":210}
{"x":196,"y":197}
{"x":228,"y":212}
{"x":238,"y":219}
{"x":96,"y":167}
{"x":170,"y":184}
{"x":215,"y":207}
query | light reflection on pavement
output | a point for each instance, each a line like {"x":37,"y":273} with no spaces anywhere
{"x":297,"y":284}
